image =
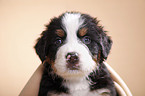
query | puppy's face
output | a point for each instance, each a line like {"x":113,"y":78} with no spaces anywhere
{"x":73,"y":44}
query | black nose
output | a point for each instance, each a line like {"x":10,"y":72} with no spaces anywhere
{"x":72,"y":60}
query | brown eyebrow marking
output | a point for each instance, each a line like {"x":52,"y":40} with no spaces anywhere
{"x":60,"y":32}
{"x":83,"y":31}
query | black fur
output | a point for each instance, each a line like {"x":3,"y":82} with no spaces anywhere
{"x":51,"y":82}
{"x":101,"y":79}
{"x":45,"y":44}
{"x":100,"y":46}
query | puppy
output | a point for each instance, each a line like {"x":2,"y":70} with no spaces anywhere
{"x":72,"y":49}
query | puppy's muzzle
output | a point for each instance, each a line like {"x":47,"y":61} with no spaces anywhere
{"x":72,"y":60}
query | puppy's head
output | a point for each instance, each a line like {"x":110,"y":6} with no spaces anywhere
{"x":73,"y":44}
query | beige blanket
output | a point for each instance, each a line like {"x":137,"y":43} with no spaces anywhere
{"x":32,"y":86}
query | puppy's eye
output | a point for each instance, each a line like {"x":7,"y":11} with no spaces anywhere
{"x":58,"y":41}
{"x":86,"y":40}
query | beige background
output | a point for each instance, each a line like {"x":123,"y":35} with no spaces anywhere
{"x":21,"y":22}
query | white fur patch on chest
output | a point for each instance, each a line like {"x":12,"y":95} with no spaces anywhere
{"x":99,"y":92}
{"x":82,"y":89}
{"x":78,"y":87}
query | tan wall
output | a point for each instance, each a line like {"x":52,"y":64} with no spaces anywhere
{"x":21,"y":22}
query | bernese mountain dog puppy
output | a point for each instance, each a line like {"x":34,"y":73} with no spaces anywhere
{"x":72,"y":49}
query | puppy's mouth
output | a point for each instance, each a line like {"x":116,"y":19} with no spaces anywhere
{"x":72,"y":60}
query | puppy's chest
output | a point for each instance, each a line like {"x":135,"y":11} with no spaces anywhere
{"x":81,"y":89}
{"x":85,"y":92}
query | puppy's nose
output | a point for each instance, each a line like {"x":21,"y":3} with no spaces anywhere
{"x":72,"y":60}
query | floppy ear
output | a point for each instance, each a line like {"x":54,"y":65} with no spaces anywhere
{"x":106,"y":44}
{"x":40,"y":48}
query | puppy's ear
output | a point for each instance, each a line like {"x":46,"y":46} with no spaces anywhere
{"x":40,"y":48}
{"x":106,"y":44}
